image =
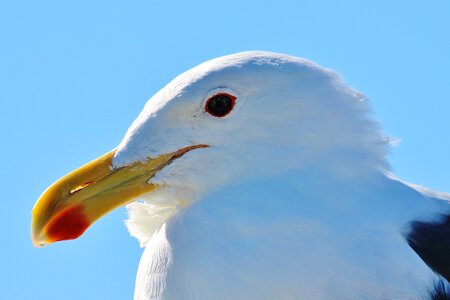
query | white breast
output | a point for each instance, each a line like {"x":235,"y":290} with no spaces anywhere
{"x":153,"y":267}
{"x":260,"y":241}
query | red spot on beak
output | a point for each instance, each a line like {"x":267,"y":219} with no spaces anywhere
{"x":69,"y":224}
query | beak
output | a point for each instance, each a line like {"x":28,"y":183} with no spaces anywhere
{"x":71,"y":204}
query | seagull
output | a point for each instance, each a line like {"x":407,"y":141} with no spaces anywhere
{"x":260,"y":175}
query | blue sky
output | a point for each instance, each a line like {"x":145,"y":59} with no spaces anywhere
{"x":75,"y":74}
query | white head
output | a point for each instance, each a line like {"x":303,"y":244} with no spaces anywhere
{"x":288,"y":114}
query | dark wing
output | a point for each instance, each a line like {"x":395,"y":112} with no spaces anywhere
{"x":431,"y":241}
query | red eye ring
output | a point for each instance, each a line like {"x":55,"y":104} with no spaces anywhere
{"x":220,"y":104}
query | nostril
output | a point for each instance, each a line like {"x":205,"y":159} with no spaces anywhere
{"x":80,"y":187}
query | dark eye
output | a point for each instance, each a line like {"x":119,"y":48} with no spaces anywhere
{"x":220,"y":105}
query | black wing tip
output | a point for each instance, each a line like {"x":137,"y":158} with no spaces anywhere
{"x":440,"y":290}
{"x":431,"y":241}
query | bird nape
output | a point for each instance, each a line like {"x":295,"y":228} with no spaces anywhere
{"x":260,"y":176}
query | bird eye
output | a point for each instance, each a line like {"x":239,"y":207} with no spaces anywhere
{"x":220,"y":105}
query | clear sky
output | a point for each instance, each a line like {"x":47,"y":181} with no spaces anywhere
{"x":75,"y":74}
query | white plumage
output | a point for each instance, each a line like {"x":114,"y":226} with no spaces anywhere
{"x":292,"y":199}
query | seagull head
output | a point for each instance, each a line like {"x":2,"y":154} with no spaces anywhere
{"x":237,"y":117}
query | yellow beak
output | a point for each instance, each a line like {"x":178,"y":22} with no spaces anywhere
{"x":71,"y":204}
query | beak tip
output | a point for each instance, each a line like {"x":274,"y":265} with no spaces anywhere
{"x":37,"y":239}
{"x":68,"y":224}
{"x":39,"y":245}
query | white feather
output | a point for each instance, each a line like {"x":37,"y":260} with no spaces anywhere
{"x":290,"y":200}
